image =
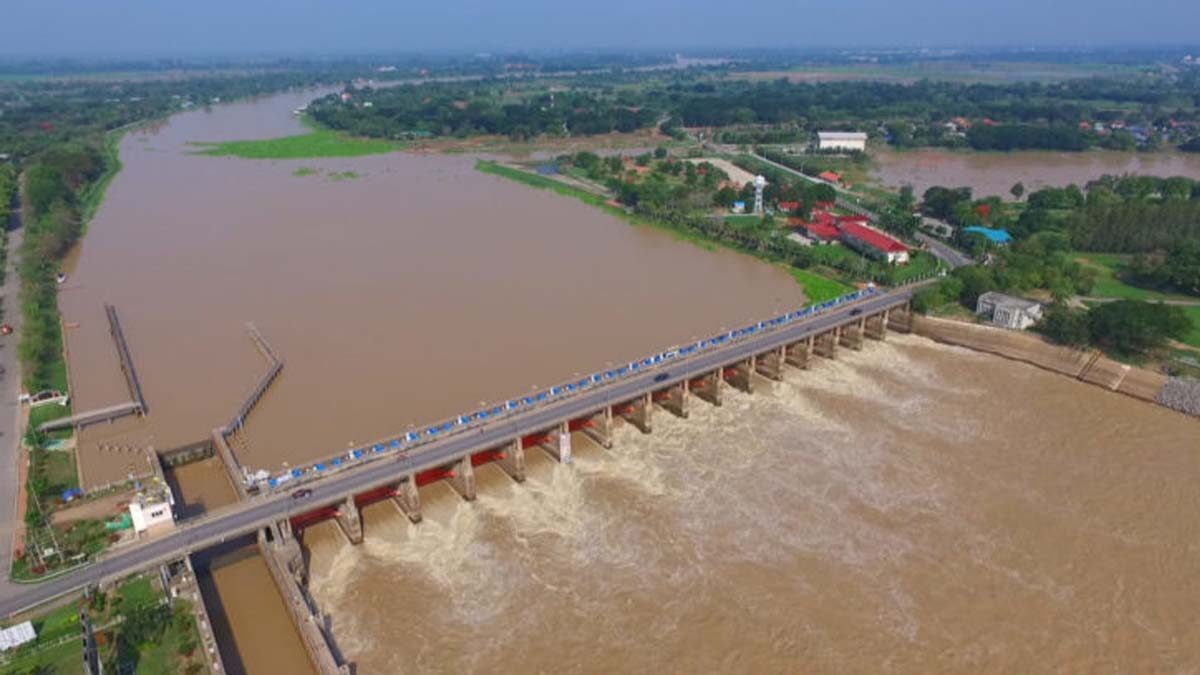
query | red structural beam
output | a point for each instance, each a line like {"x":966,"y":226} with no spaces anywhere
{"x":581,"y":423}
{"x":433,"y":476}
{"x":486,"y":456}
{"x":698,"y":383}
{"x":664,"y":395}
{"x":377,"y":495}
{"x":534,"y":440}
{"x":305,"y":519}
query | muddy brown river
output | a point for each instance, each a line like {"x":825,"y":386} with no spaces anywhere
{"x":911,"y":508}
{"x":409,"y":293}
{"x":994,"y":173}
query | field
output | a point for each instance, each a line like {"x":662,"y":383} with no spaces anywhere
{"x":1109,"y":267}
{"x":1193,"y":338}
{"x":995,"y":72}
{"x":818,"y":288}
{"x":47,"y":654}
{"x":316,"y":143}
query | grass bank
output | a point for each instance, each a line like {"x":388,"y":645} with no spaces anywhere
{"x":1110,"y":268}
{"x":816,"y":287}
{"x":318,"y":142}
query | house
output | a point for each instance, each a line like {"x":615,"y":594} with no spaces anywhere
{"x":788,"y":206}
{"x":822,"y":229}
{"x":1008,"y":311}
{"x":850,"y":141}
{"x":830,"y":177}
{"x":871,"y":242}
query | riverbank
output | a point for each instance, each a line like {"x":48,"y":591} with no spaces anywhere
{"x":1085,"y":365}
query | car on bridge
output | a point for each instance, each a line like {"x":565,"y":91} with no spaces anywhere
{"x":661,"y":377}
{"x":856,"y":311}
{"x":303,"y":493}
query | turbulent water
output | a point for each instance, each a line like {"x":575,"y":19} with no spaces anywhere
{"x":910,"y":508}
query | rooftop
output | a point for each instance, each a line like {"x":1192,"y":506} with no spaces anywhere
{"x":993,"y":235}
{"x":870,"y":236}
{"x":841,"y":135}
{"x":1003,"y":300}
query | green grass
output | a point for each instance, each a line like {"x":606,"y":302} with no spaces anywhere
{"x":1109,"y":267}
{"x":316,"y":143}
{"x":50,"y":627}
{"x":1193,"y":338}
{"x":920,"y":264}
{"x":818,"y":288}
{"x":60,"y":469}
{"x":304,"y":171}
{"x":344,"y":175}
{"x":138,"y":591}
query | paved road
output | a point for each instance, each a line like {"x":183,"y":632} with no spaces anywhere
{"x":10,"y":411}
{"x":944,"y":252}
{"x":245,"y":517}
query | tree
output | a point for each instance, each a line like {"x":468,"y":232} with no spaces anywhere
{"x":1136,"y":327}
{"x":1065,"y":326}
{"x":660,"y":152}
{"x":1017,"y":190}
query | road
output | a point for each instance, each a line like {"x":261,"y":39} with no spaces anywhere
{"x":247,"y":516}
{"x":944,"y":252}
{"x":10,"y":410}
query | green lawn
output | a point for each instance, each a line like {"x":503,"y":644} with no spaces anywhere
{"x":1193,"y":338}
{"x":137,"y":592}
{"x":39,"y":657}
{"x":818,"y":288}
{"x":1109,"y":267}
{"x":316,"y":143}
{"x":920,"y":264}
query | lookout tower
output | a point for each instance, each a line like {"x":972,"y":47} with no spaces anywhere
{"x":759,"y":184}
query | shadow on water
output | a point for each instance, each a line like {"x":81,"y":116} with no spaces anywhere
{"x":216,"y":557}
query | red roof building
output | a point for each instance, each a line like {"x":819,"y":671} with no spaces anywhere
{"x":830,"y":176}
{"x":869,"y":241}
{"x":788,"y":206}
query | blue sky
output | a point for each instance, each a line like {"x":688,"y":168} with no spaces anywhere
{"x":205,"y":27}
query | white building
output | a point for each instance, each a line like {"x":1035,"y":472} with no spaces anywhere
{"x":147,"y":512}
{"x":849,"y":141}
{"x":1007,"y":311}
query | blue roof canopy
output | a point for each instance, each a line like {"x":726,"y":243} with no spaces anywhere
{"x":993,"y":235}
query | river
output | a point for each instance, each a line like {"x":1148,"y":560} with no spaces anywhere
{"x":994,"y":173}
{"x":407,"y":294}
{"x":911,"y":508}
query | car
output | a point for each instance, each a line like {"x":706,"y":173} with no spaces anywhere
{"x":5,"y":329}
{"x":661,"y":377}
{"x":856,"y":311}
{"x":304,"y":493}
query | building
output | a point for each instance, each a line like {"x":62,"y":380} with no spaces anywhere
{"x":151,"y":511}
{"x":999,"y":237}
{"x":1007,"y":311}
{"x":850,"y":141}
{"x":870,"y":241}
{"x":830,"y":177}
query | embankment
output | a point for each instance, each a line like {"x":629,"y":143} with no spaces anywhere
{"x":1085,"y":365}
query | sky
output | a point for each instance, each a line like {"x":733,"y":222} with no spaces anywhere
{"x":123,"y":28}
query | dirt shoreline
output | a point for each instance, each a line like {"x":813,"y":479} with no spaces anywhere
{"x":1085,"y":365}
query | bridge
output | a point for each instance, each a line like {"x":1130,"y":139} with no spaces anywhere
{"x":135,"y":406}
{"x":452,"y":455}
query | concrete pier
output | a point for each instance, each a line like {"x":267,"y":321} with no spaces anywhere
{"x":559,"y":446}
{"x":742,"y":375}
{"x":642,"y":414}
{"x":184,"y":585}
{"x":900,"y":319}
{"x":852,"y":335}
{"x":408,"y":500}
{"x":797,"y":354}
{"x":512,"y":461}
{"x":770,"y":364}
{"x":463,"y":478}
{"x":350,"y":521}
{"x":827,"y":343}
{"x":676,"y":401}
{"x":877,"y":325}
{"x":601,"y":428}
{"x":285,"y":561}
{"x":708,"y":387}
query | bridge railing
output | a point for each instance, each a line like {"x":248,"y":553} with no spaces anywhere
{"x":415,"y":438}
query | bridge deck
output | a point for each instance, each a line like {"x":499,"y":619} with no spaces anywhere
{"x":95,"y":416}
{"x":131,"y":378}
{"x":248,"y":515}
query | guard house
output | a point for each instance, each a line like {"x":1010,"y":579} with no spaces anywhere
{"x":1008,"y":311}
{"x":848,"y":141}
